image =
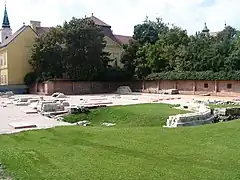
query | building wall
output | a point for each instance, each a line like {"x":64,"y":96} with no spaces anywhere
{"x":18,"y":55}
{"x":115,"y":50}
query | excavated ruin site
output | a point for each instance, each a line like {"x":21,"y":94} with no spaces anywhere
{"x":27,"y":112}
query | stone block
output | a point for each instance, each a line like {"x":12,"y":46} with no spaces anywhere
{"x":171,"y":91}
{"x":22,"y":125}
{"x":52,"y":107}
{"x":124,"y":90}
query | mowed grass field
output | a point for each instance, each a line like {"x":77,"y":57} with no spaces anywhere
{"x":130,"y":152}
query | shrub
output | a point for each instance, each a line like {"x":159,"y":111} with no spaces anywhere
{"x":203,"y":75}
{"x":30,"y":78}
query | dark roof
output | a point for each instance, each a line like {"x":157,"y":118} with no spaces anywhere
{"x":99,"y":22}
{"x":42,"y":30}
{"x":123,"y":39}
{"x":5,"y":23}
{"x":14,"y":36}
{"x":108,"y":32}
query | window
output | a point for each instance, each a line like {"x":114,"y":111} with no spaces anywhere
{"x":229,"y":86}
{"x":5,"y":79}
{"x":5,"y":57}
{"x":1,"y":61}
{"x":205,"y":85}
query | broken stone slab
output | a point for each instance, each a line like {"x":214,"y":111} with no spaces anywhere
{"x":171,"y":91}
{"x":22,"y":125}
{"x":98,"y":103}
{"x":22,"y":104}
{"x":30,"y":101}
{"x":83,"y":123}
{"x":56,"y":113}
{"x":31,"y":111}
{"x":108,"y":124}
{"x":23,"y":99}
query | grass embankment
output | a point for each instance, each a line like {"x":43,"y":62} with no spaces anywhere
{"x":125,"y":153}
{"x":213,"y":106}
{"x":129,"y":116}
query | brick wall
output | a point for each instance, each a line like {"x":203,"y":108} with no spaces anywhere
{"x":221,"y":88}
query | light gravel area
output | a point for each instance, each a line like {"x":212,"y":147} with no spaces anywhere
{"x":14,"y":114}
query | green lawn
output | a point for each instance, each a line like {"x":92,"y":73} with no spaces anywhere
{"x":141,"y":115}
{"x":125,"y":152}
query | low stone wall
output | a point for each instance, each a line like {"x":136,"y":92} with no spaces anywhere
{"x":216,"y":88}
{"x":203,"y":115}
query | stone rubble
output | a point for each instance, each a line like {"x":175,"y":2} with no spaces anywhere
{"x":226,"y":114}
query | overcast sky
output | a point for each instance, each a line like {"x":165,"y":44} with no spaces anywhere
{"x":122,"y":15}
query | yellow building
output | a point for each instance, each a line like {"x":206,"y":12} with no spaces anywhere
{"x":15,"y":52}
{"x":15,"y":49}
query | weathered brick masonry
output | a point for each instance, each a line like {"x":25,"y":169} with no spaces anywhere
{"x":220,"y":88}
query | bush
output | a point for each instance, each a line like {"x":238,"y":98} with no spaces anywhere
{"x":30,"y":78}
{"x":203,"y":75}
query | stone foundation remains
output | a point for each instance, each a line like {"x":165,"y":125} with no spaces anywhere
{"x":202,"y":115}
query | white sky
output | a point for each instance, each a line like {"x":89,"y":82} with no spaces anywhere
{"x":122,"y":15}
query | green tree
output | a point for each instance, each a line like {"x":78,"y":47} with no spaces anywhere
{"x":148,"y":31}
{"x":47,"y":55}
{"x":169,"y":52}
{"x":129,"y":57}
{"x":84,"y":53}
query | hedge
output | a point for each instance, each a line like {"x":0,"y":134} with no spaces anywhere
{"x":206,"y":75}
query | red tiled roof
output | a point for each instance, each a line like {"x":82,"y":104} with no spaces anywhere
{"x":123,"y":39}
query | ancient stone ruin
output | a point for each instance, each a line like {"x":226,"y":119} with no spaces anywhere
{"x":201,"y":115}
{"x":124,"y":90}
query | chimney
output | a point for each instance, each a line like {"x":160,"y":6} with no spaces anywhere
{"x":35,"y":24}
